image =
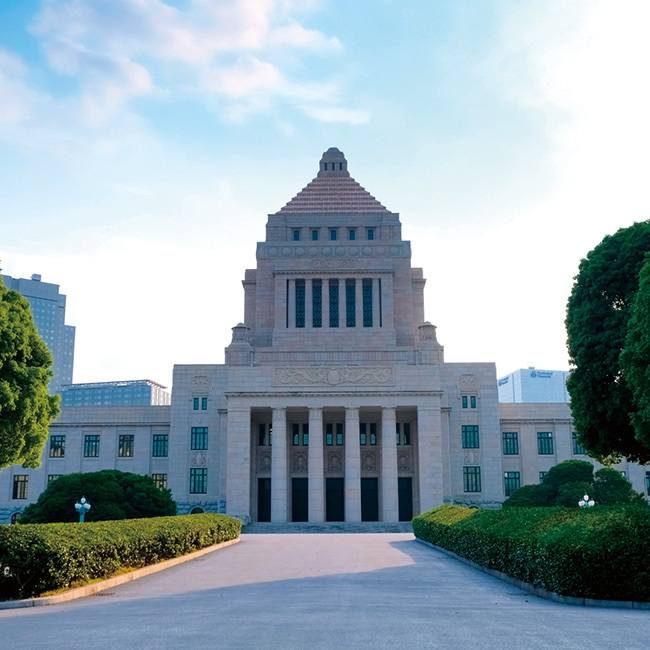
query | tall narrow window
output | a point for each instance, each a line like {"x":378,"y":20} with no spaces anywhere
{"x":91,"y":446}
{"x":350,"y":303}
{"x":362,"y":433}
{"x":464,"y":401}
{"x":329,"y":437}
{"x":373,"y":433}
{"x":199,"y":438}
{"x":339,"y":433}
{"x":470,"y":436}
{"x":406,"y":435}
{"x":198,"y":480}
{"x":472,"y":479}
{"x":125,"y":446}
{"x":352,"y":234}
{"x":204,"y":403}
{"x":472,"y":401}
{"x":511,"y":482}
{"x":544,"y":443}
{"x":334,"y":303}
{"x":295,"y":435}
{"x":371,"y":233}
{"x":333,"y":234}
{"x":510,"y":441}
{"x":21,"y":486}
{"x":367,"y":302}
{"x":261,"y":434}
{"x":300,"y":303}
{"x":196,"y":403}
{"x":57,"y":446}
{"x":296,"y":235}
{"x":317,"y":302}
{"x":160,"y":445}
{"x":314,"y":235}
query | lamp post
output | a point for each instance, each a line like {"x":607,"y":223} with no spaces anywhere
{"x":82,"y":507}
{"x":586,"y":502}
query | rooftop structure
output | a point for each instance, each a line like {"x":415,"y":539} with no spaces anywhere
{"x":531,"y":385}
{"x":123,"y":393}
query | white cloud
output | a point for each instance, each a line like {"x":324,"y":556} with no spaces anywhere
{"x":336,"y":114}
{"x":16,"y":98}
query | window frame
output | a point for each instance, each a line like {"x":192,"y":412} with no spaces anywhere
{"x":471,"y":478}
{"x":126,"y":445}
{"x":199,"y":439}
{"x":91,"y":445}
{"x":57,"y":446}
{"x":510,"y":443}
{"x":160,"y":445}
{"x":198,"y":480}
{"x":470,"y":436}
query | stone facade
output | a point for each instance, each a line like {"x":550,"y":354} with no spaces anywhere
{"x":334,"y":402}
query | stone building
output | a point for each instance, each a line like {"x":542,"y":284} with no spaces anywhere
{"x":334,"y":403}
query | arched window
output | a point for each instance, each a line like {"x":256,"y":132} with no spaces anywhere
{"x":15,"y":518}
{"x":197,"y":511}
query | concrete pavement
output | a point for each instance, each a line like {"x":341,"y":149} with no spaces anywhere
{"x":322,"y":591}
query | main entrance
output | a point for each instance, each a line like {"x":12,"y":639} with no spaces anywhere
{"x":263,"y":499}
{"x":405,"y":496}
{"x":369,"y":499}
{"x":299,"y":499}
{"x":334,"y":500}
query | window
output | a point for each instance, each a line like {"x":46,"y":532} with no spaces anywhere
{"x":160,"y":445}
{"x":510,"y":443}
{"x":296,"y":235}
{"x":199,"y":438}
{"x":469,"y":400}
{"x":91,"y":446}
{"x":261,"y":434}
{"x":544,"y":443}
{"x":350,"y":303}
{"x":373,"y":433}
{"x":125,"y":447}
{"x":329,"y":439}
{"x":296,"y":437}
{"x":542,"y":476}
{"x":21,"y":485}
{"x":300,"y":303}
{"x":204,"y":403}
{"x":314,"y":235}
{"x":470,"y":436}
{"x":367,"y":302}
{"x":160,"y":481}
{"x":57,"y":446}
{"x":370,"y":233}
{"x":578,"y":449}
{"x":511,"y":482}
{"x":15,"y":518}
{"x":464,"y":399}
{"x":317,"y":303}
{"x":362,"y":433}
{"x":472,"y":401}
{"x":53,"y":477}
{"x":334,"y":433}
{"x":198,"y":480}
{"x":352,"y":234}
{"x":196,"y":403}
{"x":334,"y":303}
{"x":332,"y":234}
{"x":647,"y":483}
{"x":339,"y":433}
{"x":472,"y":479}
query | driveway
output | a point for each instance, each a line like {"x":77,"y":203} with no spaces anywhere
{"x":379,"y":590}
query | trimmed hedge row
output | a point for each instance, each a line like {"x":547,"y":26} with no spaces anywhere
{"x":35,"y":558}
{"x":598,"y":553}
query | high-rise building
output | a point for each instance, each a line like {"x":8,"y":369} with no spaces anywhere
{"x":114,"y":393}
{"x":531,"y":385}
{"x":48,"y":310}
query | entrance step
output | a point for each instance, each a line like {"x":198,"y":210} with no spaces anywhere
{"x":261,"y":528}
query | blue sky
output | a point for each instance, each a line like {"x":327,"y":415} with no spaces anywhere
{"x":143,"y":143}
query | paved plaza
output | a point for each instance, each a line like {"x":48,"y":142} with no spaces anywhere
{"x":378,"y":590}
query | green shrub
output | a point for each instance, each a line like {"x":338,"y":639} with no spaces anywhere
{"x":611,"y":488}
{"x":531,"y":495}
{"x":597,"y":553}
{"x":569,"y":471}
{"x":112,"y":495}
{"x":45,"y":557}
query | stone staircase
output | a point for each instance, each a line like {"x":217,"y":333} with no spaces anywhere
{"x":261,"y":528}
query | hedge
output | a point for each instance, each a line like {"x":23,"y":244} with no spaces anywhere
{"x":35,"y":558}
{"x":599,"y":553}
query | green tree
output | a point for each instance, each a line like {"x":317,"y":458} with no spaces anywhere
{"x":597,"y":323}
{"x":112,"y":495}
{"x":635,"y":358}
{"x":26,"y":409}
{"x":612,"y":488}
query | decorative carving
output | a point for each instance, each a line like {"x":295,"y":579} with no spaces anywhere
{"x":335,"y":461}
{"x":404,"y":461}
{"x":201,"y":384}
{"x":333,"y":263}
{"x":368,"y":461}
{"x":264,"y":461}
{"x":199,"y":459}
{"x":299,"y":461}
{"x":467,"y":382}
{"x":334,"y":376}
{"x":471,"y":457}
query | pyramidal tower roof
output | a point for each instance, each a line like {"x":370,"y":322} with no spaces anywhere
{"x":333,"y":191}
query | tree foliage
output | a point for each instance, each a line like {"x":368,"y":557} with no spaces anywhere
{"x":26,"y":409}
{"x":567,"y":482}
{"x":112,"y":495}
{"x":635,"y":358}
{"x":598,"y":312}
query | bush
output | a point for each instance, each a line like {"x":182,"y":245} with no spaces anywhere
{"x":112,"y":495}
{"x":611,"y":487}
{"x":531,"y":495}
{"x":46,"y":557}
{"x":597,"y":553}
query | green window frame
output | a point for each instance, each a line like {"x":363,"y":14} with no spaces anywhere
{"x":471,"y":479}
{"x":160,"y":481}
{"x":470,"y":436}
{"x":21,"y":486}
{"x":125,"y":446}
{"x":160,"y":445}
{"x":510,"y":441}
{"x":544,"y":443}
{"x":511,"y":482}
{"x":91,"y":445}
{"x":199,"y":438}
{"x":57,"y":446}
{"x":198,"y":480}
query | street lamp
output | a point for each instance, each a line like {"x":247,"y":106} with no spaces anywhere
{"x":82,"y":507}
{"x":586,"y":502}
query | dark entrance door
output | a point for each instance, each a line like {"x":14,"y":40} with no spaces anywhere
{"x":405,"y":496}
{"x":369,"y":500}
{"x":263,"y":499}
{"x":299,"y":500}
{"x":334,"y":500}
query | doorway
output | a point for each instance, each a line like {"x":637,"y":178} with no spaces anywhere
{"x":299,"y":499}
{"x":334,"y":500}
{"x":369,"y":499}
{"x":405,"y":496}
{"x":263,"y":499}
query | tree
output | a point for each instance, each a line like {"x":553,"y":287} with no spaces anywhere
{"x":598,"y":312}
{"x":112,"y":495}
{"x":612,"y":488}
{"x":26,"y":409}
{"x":635,"y":358}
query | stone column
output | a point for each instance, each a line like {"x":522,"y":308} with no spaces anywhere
{"x":352,"y":466}
{"x":316,"y":472}
{"x":279,"y":466}
{"x":292,"y":304}
{"x":375,"y":302}
{"x":430,"y":454}
{"x":389,"y":492}
{"x":238,"y":482}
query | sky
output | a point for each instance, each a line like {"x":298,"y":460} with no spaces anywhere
{"x":144,"y":142}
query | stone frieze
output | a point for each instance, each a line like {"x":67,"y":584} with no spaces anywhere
{"x":334,"y":376}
